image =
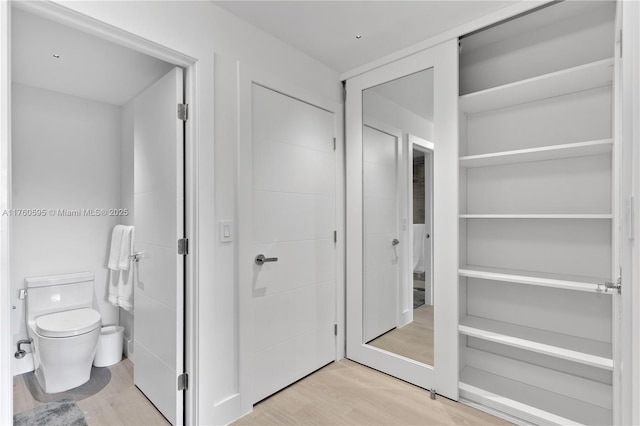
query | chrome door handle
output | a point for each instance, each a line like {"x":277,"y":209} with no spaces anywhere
{"x":260,"y":259}
{"x":395,"y":242}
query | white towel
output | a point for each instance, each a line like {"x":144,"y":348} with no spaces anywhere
{"x":121,"y":272}
{"x":116,"y":247}
{"x":418,"y":247}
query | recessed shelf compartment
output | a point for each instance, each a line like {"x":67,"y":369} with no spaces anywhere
{"x":572,"y":348}
{"x":553,"y":152}
{"x":536,"y":216}
{"x":583,"y":77}
{"x":566,"y":282}
{"x":535,"y":394}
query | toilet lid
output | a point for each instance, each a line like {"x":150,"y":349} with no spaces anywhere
{"x":68,"y":323}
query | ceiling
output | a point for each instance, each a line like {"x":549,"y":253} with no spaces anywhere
{"x":326,"y":30}
{"x":87,"y":67}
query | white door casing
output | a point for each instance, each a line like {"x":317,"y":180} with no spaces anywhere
{"x":293,"y":299}
{"x":380,"y":227}
{"x":443,"y":376}
{"x":427,"y":147}
{"x":159,"y":223}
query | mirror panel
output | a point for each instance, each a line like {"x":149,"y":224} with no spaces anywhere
{"x":397,"y":216}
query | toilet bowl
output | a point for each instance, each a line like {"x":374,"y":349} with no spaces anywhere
{"x":64,"y":328}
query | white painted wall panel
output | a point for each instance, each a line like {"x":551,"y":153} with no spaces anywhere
{"x":569,"y":312}
{"x":578,"y":117}
{"x":577,"y":185}
{"x":572,"y":247}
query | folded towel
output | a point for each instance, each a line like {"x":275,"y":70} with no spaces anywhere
{"x":121,"y":271}
{"x":116,"y":247}
{"x":126,"y":249}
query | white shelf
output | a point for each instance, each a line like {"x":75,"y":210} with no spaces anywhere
{"x":553,"y":152}
{"x":536,"y":216}
{"x":571,"y":348}
{"x":583,"y":77}
{"x":531,"y":403}
{"x":593,"y":285}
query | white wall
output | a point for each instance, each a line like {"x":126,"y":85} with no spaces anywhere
{"x":202,"y":30}
{"x":126,"y":202}
{"x":66,"y":155}
{"x":385,"y":111}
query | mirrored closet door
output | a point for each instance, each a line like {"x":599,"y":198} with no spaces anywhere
{"x":401,"y":219}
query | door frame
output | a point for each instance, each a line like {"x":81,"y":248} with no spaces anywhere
{"x":444,"y":59}
{"x":428,"y":148}
{"x":72,"y":19}
{"x":247,"y":76}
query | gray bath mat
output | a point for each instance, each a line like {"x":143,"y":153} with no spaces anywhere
{"x":100,"y":377}
{"x":59,"y":413}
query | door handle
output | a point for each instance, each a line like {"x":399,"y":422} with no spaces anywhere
{"x":395,"y":242}
{"x":260,"y":259}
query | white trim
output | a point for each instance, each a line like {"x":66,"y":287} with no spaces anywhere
{"x":627,"y":393}
{"x":6,"y":378}
{"x":73,"y":19}
{"x":454,"y":33}
{"x":244,"y":212}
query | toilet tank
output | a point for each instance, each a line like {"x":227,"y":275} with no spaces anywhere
{"x":57,"y":293}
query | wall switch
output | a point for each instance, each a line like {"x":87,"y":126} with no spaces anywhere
{"x":226,"y":231}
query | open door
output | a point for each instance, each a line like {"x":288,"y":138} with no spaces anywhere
{"x":424,"y":349}
{"x":159,"y":223}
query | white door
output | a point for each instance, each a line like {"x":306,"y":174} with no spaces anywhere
{"x":443,"y":374}
{"x":159,"y":223}
{"x":380,"y":228}
{"x":294,"y":216}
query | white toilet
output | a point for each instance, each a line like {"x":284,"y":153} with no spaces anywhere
{"x":64,"y":328}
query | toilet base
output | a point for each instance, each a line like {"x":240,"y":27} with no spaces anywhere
{"x":64,"y":363}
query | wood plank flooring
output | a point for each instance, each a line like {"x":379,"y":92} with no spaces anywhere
{"x":342,"y":393}
{"x":118,"y":403}
{"x":414,"y":340}
{"x":347,"y":393}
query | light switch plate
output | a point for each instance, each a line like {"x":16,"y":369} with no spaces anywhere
{"x":226,"y":231}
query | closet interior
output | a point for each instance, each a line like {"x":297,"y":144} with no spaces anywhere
{"x":537,"y":217}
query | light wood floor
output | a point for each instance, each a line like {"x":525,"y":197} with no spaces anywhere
{"x":347,"y":393}
{"x":414,"y":340}
{"x":118,"y":403}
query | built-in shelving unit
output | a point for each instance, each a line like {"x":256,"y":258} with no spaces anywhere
{"x":536,"y":165}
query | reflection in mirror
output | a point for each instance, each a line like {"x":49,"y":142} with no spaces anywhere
{"x":397,"y":206}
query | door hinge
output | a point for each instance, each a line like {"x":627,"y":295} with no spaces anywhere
{"x":183,"y":246}
{"x":621,"y":42}
{"x":183,"y":382}
{"x":335,"y":236}
{"x":334,"y":144}
{"x":183,"y":112}
{"x":335,"y":329}
{"x":617,"y":285}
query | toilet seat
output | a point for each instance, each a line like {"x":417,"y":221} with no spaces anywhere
{"x":67,"y":323}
